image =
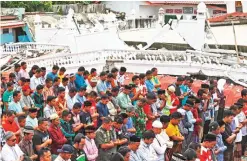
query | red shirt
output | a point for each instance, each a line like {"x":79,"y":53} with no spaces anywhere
{"x":205,"y":154}
{"x":245,"y":110}
{"x":58,"y":139}
{"x":147,"y":111}
{"x":93,"y":110}
{"x":13,"y":127}
{"x":198,"y":120}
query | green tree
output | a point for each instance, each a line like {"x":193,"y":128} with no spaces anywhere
{"x":72,"y":2}
{"x":30,"y":6}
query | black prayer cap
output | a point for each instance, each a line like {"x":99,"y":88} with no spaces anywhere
{"x":78,"y":137}
{"x":132,"y":85}
{"x":239,"y":104}
{"x":39,"y":87}
{"x":213,"y":126}
{"x":87,"y":103}
{"x":103,"y":97}
{"x":210,"y":137}
{"x":90,"y":129}
{"x":127,"y":87}
{"x":205,"y":86}
{"x":161,"y":91}
{"x":180,"y":79}
{"x":197,"y":100}
{"x":32,"y":109}
{"x":189,"y":103}
{"x":135,"y":138}
{"x":190,"y":154}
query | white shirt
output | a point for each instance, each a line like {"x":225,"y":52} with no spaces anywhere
{"x":48,"y":111}
{"x":34,"y":82}
{"x":241,"y":117}
{"x":11,"y":153}
{"x":239,"y":135}
{"x":120,"y":79}
{"x":146,"y":152}
{"x":24,"y":74}
{"x":112,"y":109}
{"x":159,"y":146}
{"x":90,"y":89}
{"x":59,"y":158}
{"x":215,"y":97}
{"x":31,"y":122}
{"x":70,"y":101}
{"x":66,"y":88}
{"x":166,"y":138}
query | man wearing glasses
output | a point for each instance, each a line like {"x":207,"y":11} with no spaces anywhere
{"x":11,"y":151}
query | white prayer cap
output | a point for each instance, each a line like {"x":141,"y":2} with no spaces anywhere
{"x":157,"y":124}
{"x":182,"y":111}
{"x":171,"y":88}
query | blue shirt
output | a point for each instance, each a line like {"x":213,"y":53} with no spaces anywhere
{"x":184,"y":89}
{"x":150,"y":86}
{"x":220,"y":146}
{"x":80,"y":81}
{"x":129,"y":125}
{"x":191,"y":120}
{"x":103,"y":112}
{"x":52,"y":76}
{"x":101,"y":86}
{"x":108,"y":85}
{"x":80,"y":99}
{"x":15,"y":107}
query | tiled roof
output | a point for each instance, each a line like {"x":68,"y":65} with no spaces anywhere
{"x":8,"y":17}
{"x":232,"y":93}
{"x":11,"y":24}
{"x":185,"y":2}
{"x":217,"y":8}
{"x":225,"y":17}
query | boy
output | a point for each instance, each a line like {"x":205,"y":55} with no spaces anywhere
{"x":39,"y":100}
{"x":149,"y":83}
{"x":85,"y":115}
{"x":66,"y":127}
{"x":217,"y":129}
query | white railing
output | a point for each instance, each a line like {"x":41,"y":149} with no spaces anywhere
{"x":168,"y":62}
{"x":20,"y":47}
{"x":138,"y":56}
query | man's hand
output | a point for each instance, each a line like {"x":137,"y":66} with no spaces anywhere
{"x":18,"y":132}
{"x":117,"y":142}
{"x":33,"y":157}
{"x":81,"y":125}
{"x":217,"y":151}
{"x":21,"y":158}
{"x":48,"y":141}
{"x":236,"y":131}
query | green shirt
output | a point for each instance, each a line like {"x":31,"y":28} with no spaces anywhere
{"x":103,"y":137}
{"x":124,"y":101}
{"x":140,"y":121}
{"x":155,"y":81}
{"x":7,"y":96}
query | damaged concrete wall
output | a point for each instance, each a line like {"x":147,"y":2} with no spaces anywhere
{"x":79,"y":8}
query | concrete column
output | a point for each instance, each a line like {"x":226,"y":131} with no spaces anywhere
{"x":244,"y":6}
{"x":201,"y":18}
{"x":230,"y":6}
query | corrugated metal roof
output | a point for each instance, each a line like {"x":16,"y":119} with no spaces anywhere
{"x":186,"y":2}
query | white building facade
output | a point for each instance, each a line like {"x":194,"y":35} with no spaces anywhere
{"x":150,"y":9}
